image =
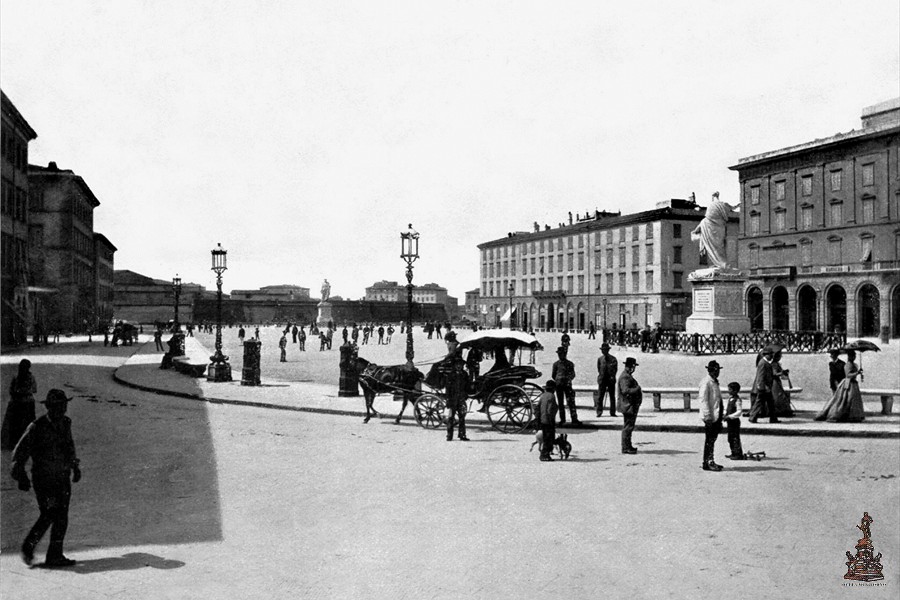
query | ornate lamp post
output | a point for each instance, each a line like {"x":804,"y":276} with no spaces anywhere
{"x":219,"y":369}
{"x":409,"y":252}
{"x":176,"y":290}
{"x":511,"y":290}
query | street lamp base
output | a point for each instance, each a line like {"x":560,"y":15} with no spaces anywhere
{"x":218,"y":372}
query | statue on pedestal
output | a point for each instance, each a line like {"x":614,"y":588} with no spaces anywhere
{"x":710,"y":233}
{"x":326,"y":291}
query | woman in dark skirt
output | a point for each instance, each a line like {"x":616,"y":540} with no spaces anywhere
{"x":20,"y":410}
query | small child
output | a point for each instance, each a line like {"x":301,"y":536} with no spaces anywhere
{"x":733,"y":420}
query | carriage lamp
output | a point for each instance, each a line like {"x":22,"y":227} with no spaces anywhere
{"x":176,"y":290}
{"x":219,"y":369}
{"x":409,"y":252}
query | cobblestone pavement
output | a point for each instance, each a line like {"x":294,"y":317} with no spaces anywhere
{"x":185,"y":499}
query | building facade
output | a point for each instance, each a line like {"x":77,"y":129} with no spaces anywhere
{"x":609,"y":269}
{"x":820,"y":230}
{"x":63,"y":249}
{"x":142,"y":299}
{"x":20,"y":304}
{"x":429,"y":293}
{"x":281,"y":293}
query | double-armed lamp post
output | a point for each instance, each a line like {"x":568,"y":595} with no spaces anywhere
{"x":409,"y":252}
{"x":176,"y":290}
{"x":219,"y":369}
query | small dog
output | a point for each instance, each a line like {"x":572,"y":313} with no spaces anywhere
{"x":561,"y":442}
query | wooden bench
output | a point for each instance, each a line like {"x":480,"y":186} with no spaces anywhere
{"x":686,"y":393}
{"x":193,"y":366}
{"x":887,"y":398}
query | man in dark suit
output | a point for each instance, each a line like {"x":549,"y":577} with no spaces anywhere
{"x":607,"y":367}
{"x":628,"y":394}
{"x":450,"y":375}
{"x":762,"y":387}
{"x":836,"y":370}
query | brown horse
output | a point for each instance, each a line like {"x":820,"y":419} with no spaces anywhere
{"x":375,"y":379}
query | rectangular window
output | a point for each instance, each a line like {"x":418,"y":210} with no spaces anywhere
{"x":676,"y":230}
{"x":754,"y":224}
{"x":571,"y":242}
{"x":559,"y":283}
{"x":648,"y":281}
{"x":779,"y":190}
{"x":754,"y":194}
{"x":868,"y":174}
{"x":834,"y":251}
{"x":806,"y":217}
{"x":866,"y":247}
{"x":581,"y":284}
{"x":635,"y":282}
{"x":635,"y":233}
{"x":581,"y":261}
{"x":581,"y":241}
{"x":837,"y":214}
{"x":533,"y":263}
{"x":806,"y":185}
{"x":836,"y":180}
{"x":754,"y":257}
{"x":676,"y":255}
{"x":549,"y":264}
{"x":609,"y":282}
{"x":622,"y":257}
{"x":677,"y":280}
{"x":571,"y":284}
{"x":559,"y":263}
{"x":609,"y":258}
{"x":648,"y":231}
{"x":778,"y":223}
{"x":805,"y":254}
{"x":868,"y":210}
{"x":622,"y":289}
{"x":635,"y":256}
{"x":648,"y":255}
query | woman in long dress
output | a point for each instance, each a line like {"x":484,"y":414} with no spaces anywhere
{"x":20,"y":410}
{"x":781,"y":400}
{"x":846,"y":405}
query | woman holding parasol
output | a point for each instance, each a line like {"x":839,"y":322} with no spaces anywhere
{"x":846,"y":405}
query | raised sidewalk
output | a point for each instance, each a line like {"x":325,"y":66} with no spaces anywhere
{"x":142,"y":371}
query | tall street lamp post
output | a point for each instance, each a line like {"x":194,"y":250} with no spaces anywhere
{"x":176,"y":290}
{"x":409,"y":252}
{"x":511,"y":290}
{"x":219,"y":369}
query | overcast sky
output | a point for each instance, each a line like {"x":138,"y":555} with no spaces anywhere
{"x":305,"y":136}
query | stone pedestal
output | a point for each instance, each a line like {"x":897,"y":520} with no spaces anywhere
{"x":251,"y":371}
{"x":324,"y":317}
{"x":718,"y":302}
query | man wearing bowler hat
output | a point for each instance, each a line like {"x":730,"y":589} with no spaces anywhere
{"x":762,"y":387}
{"x":48,"y":443}
{"x":711,"y":413}
{"x":564,"y":374}
{"x":628,"y":394}
{"x":607,"y":366}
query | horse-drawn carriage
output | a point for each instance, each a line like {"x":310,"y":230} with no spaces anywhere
{"x":507,"y":398}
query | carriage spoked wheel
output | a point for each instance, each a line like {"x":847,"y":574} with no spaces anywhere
{"x":509,"y":408}
{"x":429,"y":411}
{"x":534,"y":392}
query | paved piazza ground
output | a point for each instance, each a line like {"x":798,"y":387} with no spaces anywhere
{"x":186,"y":499}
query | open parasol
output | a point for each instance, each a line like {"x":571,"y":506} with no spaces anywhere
{"x":861,"y":346}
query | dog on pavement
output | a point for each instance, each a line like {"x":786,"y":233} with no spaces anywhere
{"x":561,"y":443}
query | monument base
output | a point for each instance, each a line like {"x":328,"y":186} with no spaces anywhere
{"x":324,"y":317}
{"x":717,"y":303}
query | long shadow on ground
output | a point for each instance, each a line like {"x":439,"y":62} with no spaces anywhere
{"x":148,"y":462}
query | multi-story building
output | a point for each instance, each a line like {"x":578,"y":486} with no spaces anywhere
{"x":104,"y":279}
{"x":607,"y":268}
{"x":142,"y":299}
{"x":63,"y":248}
{"x":281,"y":293}
{"x":820,"y":230}
{"x":429,"y":293}
{"x":20,"y":307}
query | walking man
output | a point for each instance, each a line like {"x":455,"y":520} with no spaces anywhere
{"x":592,"y":332}
{"x":381,"y":335}
{"x":48,"y":443}
{"x":629,"y":399}
{"x":390,"y":332}
{"x":157,"y":338}
{"x":547,"y":416}
{"x":762,"y":387}
{"x":294,"y":333}
{"x":301,"y":339}
{"x":241,"y":334}
{"x":710,"y":396}
{"x":607,"y":366}
{"x":282,"y":344}
{"x":563,"y":374}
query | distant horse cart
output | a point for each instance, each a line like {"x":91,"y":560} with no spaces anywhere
{"x":506,"y":396}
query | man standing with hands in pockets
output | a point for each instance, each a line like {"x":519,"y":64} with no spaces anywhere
{"x":629,"y":400}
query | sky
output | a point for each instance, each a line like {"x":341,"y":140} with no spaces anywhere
{"x":305,"y":136}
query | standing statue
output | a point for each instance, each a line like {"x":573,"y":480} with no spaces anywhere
{"x":326,"y":291}
{"x":711,"y":232}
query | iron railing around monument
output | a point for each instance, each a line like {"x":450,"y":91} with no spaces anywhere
{"x":724,"y":343}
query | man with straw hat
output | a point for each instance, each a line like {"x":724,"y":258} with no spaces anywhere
{"x":48,"y":443}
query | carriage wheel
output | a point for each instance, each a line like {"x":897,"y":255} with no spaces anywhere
{"x":429,"y":411}
{"x":509,"y":409}
{"x":534,"y":392}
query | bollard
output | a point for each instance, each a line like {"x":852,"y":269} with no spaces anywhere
{"x":348,"y":383}
{"x":250,"y":372}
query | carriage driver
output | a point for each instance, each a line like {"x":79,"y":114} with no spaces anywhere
{"x":449,"y":374}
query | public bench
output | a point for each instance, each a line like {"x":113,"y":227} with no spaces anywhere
{"x":886,"y":396}
{"x":686,"y":393}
